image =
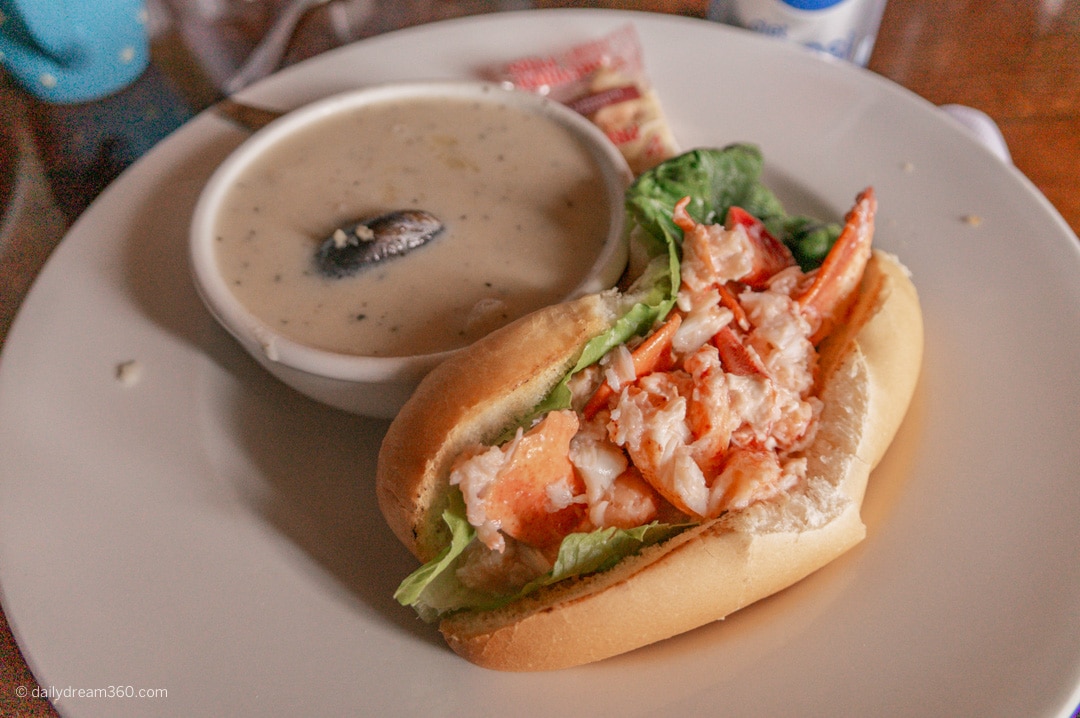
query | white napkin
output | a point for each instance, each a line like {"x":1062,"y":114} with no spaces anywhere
{"x":980,"y":125}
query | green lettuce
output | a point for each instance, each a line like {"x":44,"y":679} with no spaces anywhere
{"x":434,"y":589}
{"x":715,"y":180}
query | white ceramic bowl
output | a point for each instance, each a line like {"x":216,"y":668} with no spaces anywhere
{"x":375,"y":386}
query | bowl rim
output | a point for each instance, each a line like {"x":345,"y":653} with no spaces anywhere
{"x":249,"y":329}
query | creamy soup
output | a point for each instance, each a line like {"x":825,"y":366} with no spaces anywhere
{"x":521,"y":198}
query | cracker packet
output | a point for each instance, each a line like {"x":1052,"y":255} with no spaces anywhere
{"x":605,"y":81}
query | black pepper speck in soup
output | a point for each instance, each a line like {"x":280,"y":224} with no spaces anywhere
{"x":521,"y":197}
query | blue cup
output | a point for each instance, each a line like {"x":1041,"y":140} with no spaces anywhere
{"x":68,"y":51}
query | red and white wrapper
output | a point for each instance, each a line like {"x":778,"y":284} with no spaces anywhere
{"x":605,"y":81}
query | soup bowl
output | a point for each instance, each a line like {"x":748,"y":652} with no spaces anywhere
{"x":528,"y":198}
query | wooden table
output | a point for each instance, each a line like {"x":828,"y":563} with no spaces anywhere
{"x":1016,"y":60}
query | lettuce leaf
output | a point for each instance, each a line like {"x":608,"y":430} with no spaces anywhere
{"x":434,"y":589}
{"x":648,"y":302}
{"x":808,"y":239}
{"x":716,"y":180}
{"x":585,"y":553}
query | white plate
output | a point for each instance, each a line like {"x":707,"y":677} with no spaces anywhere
{"x":208,"y":532}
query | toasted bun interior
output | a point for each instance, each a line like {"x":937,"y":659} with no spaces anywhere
{"x":868,"y":371}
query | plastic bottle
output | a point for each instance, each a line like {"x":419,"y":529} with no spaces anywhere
{"x":843,"y":28}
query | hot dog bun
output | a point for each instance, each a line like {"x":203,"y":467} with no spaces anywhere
{"x":868,"y":371}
